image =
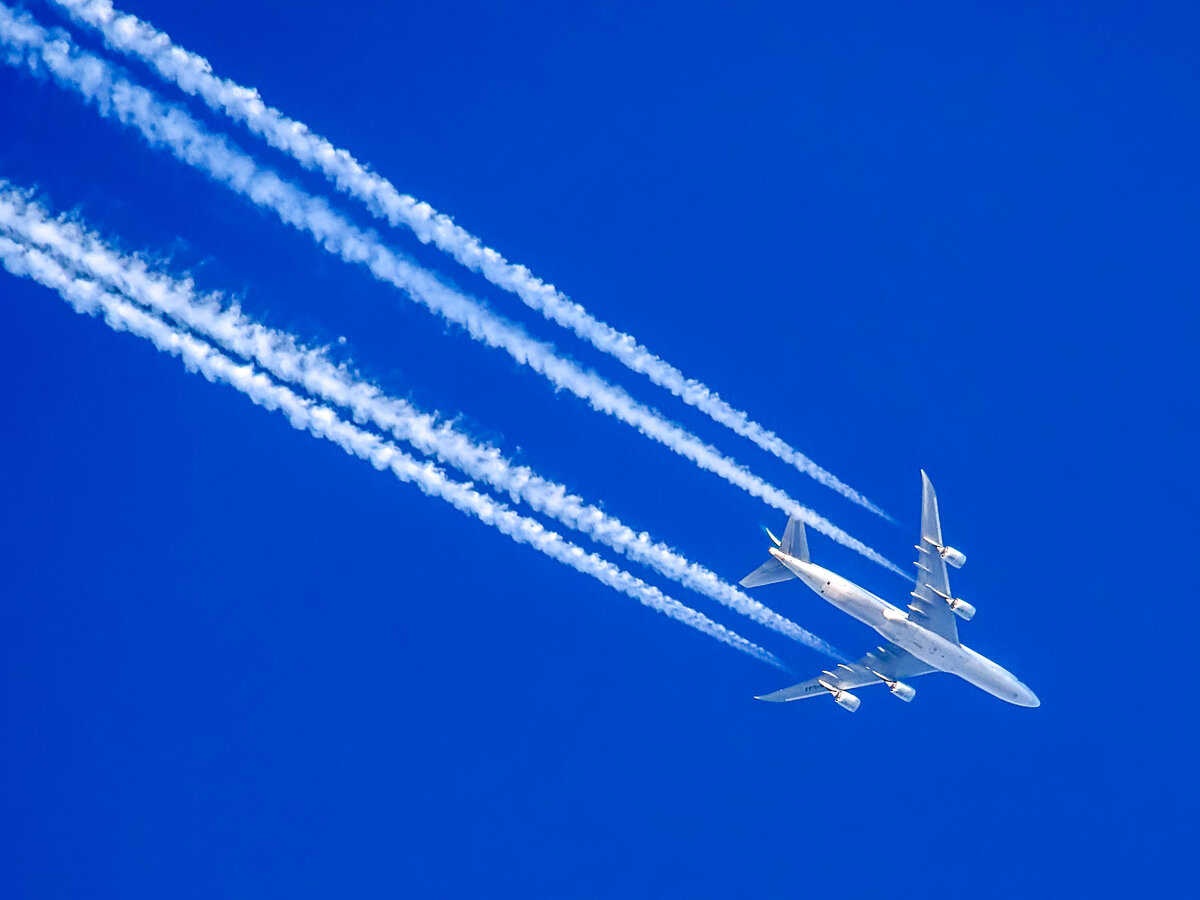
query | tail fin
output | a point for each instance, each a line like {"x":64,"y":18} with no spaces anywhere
{"x":794,"y":544}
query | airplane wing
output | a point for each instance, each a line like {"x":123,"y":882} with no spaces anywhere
{"x":930,"y":606}
{"x":889,"y":661}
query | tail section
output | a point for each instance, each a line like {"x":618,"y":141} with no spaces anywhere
{"x":793,"y":544}
{"x":768,"y":573}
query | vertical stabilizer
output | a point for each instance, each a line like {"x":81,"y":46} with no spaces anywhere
{"x":794,"y":542}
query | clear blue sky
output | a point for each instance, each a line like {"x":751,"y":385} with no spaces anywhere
{"x":236,"y":662}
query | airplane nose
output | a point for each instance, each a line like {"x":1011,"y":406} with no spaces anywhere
{"x":1028,"y":697}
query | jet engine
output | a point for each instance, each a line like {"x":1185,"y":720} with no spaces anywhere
{"x":898,"y":688}
{"x":952,"y":557}
{"x":844,"y":699}
{"x":904,"y":691}
{"x":962,"y":609}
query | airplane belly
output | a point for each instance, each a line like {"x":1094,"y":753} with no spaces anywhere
{"x":995,"y":679}
{"x":837,"y":591}
{"x":926,"y":646}
{"x":936,"y":651}
{"x":854,"y":601}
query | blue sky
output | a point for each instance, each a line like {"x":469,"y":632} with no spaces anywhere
{"x":235,"y":661}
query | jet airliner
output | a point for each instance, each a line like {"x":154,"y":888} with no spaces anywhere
{"x":922,"y":640}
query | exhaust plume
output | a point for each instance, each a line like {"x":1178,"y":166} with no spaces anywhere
{"x":171,"y":127}
{"x":197,"y":356}
{"x":311,"y":369}
{"x":194,"y":75}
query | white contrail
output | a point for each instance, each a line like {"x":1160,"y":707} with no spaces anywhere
{"x":171,"y":127}
{"x":88,"y":297}
{"x":194,"y":74}
{"x":279,"y":354}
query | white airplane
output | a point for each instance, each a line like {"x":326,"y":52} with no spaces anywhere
{"x":924,"y":639}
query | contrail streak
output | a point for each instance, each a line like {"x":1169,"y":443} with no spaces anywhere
{"x":279,"y":354}
{"x":193,"y":74}
{"x":88,"y":297}
{"x":171,"y":127}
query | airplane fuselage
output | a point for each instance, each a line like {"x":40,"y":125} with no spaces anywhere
{"x":894,"y":625}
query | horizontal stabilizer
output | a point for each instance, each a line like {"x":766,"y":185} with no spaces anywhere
{"x":770,"y":572}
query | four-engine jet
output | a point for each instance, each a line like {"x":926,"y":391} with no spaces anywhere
{"x":923,"y":640}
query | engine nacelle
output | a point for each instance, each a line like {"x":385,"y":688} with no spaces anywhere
{"x":844,"y":699}
{"x":904,"y":691}
{"x":952,"y":557}
{"x":962,"y":609}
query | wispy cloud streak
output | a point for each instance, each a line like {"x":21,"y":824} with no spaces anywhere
{"x":168,"y":126}
{"x":88,"y":297}
{"x":310,"y":368}
{"x":193,"y":74}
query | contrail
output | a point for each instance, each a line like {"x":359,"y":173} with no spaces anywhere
{"x":193,"y":73}
{"x":171,"y":127}
{"x":89,"y":298}
{"x":279,"y":354}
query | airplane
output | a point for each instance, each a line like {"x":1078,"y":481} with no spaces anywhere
{"x":922,"y":640}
